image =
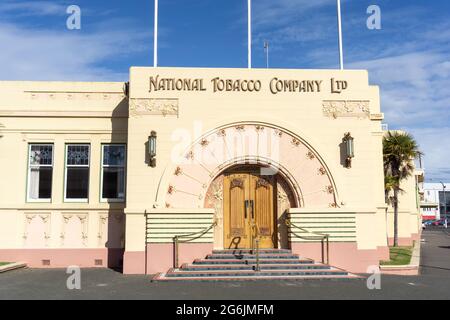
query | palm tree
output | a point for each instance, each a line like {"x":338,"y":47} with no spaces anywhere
{"x":399,"y":152}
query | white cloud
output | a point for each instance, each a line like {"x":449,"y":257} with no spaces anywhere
{"x":67,"y":55}
{"x":35,"y":8}
{"x":415,"y":98}
{"x":269,"y":13}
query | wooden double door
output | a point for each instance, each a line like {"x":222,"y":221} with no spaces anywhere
{"x":249,"y":210}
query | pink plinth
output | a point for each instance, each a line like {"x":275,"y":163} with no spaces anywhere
{"x":344,"y":255}
{"x":400,"y":271}
{"x":405,"y":241}
{"x":134,"y":262}
{"x":62,"y":258}
{"x":160,"y":257}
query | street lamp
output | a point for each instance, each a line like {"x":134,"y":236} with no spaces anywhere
{"x":445,"y":200}
{"x":349,"y":149}
{"x":152,"y":148}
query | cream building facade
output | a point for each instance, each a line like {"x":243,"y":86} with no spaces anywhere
{"x":237,"y":150}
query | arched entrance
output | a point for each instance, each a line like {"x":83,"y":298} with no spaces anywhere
{"x":218,"y":159}
{"x":249,"y":198}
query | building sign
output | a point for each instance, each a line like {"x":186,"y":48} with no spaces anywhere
{"x":275,"y":85}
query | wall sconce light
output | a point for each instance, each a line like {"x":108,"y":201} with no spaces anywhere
{"x":152,"y":148}
{"x":349,"y":149}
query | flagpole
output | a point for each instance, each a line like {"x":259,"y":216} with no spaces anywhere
{"x":341,"y":50}
{"x":155,"y":37}
{"x":249,"y":34}
{"x":266,"y":47}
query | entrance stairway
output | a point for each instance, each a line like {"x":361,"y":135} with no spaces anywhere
{"x":240,"y":265}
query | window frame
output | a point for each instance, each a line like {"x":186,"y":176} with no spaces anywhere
{"x":66,"y":166}
{"x":30,"y":166}
{"x":102,"y":166}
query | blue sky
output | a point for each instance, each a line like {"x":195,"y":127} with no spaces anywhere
{"x":409,"y":57}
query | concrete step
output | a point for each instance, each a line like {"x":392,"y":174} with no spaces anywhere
{"x":251,"y":273}
{"x":161,"y":278}
{"x":240,"y":265}
{"x":253,"y":256}
{"x":253,"y":261}
{"x":250,"y":251}
{"x":232,"y":267}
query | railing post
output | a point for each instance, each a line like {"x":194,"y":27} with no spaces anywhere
{"x":175,"y":239}
{"x":328,"y":250}
{"x":257,"y":256}
{"x":323,"y":250}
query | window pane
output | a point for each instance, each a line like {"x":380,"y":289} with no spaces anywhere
{"x":41,"y":155}
{"x":40,"y":183}
{"x":78,"y":155}
{"x":77,"y":184}
{"x":45,"y":183}
{"x":114,"y":155}
{"x":113,"y":183}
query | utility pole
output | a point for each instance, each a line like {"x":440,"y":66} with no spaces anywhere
{"x":266,"y":49}
{"x":249,"y":34}
{"x":445,"y":201}
{"x":341,"y":50}
{"x":155,"y":36}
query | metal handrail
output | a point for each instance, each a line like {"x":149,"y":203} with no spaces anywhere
{"x":320,"y":236}
{"x":255,"y":243}
{"x":191,"y":237}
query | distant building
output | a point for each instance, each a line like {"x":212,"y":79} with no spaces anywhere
{"x":432,"y":200}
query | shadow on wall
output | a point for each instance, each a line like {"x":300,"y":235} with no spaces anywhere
{"x":116,"y":218}
{"x":283,"y":232}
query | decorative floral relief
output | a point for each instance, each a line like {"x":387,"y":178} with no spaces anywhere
{"x":214,"y":197}
{"x":178,"y":171}
{"x":343,"y":108}
{"x":190,"y":155}
{"x":310,"y":155}
{"x":74,"y":96}
{"x":329,"y":189}
{"x":296,"y":142}
{"x":322,"y":171}
{"x":102,"y":224}
{"x":204,"y":143}
{"x":164,"y":107}
{"x":278,"y":133}
{"x":262,"y":183}
{"x":222,"y":133}
{"x":45,"y":219}
{"x":240,"y":128}
{"x":237,"y":183}
{"x":282,"y":197}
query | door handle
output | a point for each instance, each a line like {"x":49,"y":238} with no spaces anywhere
{"x":249,"y":205}
{"x":246,"y":205}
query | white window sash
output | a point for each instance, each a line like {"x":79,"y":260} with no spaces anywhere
{"x":103,"y":166}
{"x":33,"y":184}
{"x":67,"y":166}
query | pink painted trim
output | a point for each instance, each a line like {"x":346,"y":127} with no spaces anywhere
{"x":134,"y":262}
{"x":405,"y":241}
{"x":401,"y":270}
{"x":62,"y":258}
{"x":160,"y":256}
{"x":343,"y":255}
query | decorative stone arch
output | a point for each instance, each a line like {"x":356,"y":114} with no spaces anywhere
{"x":275,"y":149}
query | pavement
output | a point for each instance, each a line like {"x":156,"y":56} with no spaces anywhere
{"x":99,"y":284}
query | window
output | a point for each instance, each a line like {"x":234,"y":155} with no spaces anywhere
{"x":77,"y":172}
{"x":40,"y":172}
{"x":113,"y":172}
